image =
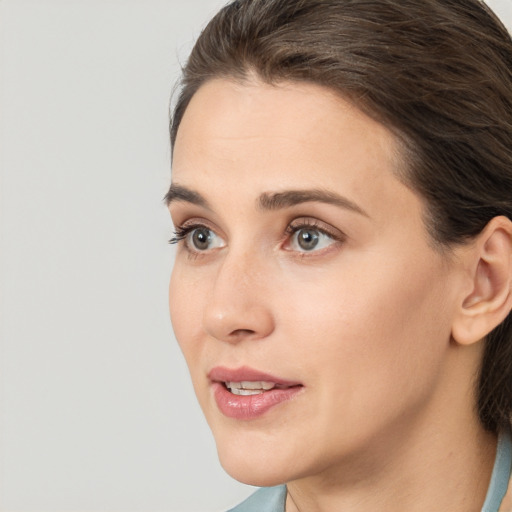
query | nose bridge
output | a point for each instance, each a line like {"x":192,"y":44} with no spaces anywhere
{"x":245,"y":267}
{"x":238,"y":305}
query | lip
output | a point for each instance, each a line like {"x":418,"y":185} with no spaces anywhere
{"x":249,"y":407}
{"x":222,"y":374}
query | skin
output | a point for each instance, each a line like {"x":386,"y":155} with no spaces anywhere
{"x":385,"y":419}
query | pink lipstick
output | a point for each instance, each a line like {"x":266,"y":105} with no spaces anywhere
{"x":246,"y":394}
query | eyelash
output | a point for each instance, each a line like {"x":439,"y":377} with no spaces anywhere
{"x":181,"y":232}
{"x":292,"y":228}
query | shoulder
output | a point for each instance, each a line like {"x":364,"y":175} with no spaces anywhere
{"x":266,"y":499}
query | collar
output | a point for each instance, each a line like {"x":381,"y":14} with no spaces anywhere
{"x":499,"y":495}
{"x":498,"y":499}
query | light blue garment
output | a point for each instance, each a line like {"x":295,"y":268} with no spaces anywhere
{"x":500,"y":474}
{"x":273,"y":499}
{"x":266,"y":499}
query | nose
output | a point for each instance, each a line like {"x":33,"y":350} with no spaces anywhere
{"x":238,"y":307}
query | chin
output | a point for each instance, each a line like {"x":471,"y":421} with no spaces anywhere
{"x":255,"y":473}
{"x":254,"y":463}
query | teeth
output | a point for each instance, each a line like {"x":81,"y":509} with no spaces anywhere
{"x":238,"y":391}
{"x":249,"y":387}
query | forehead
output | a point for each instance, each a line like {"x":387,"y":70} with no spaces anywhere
{"x":231,"y":110}
{"x":251,"y":138}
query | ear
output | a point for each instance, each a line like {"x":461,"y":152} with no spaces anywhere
{"x":489,"y":300}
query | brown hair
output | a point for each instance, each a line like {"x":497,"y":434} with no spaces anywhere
{"x":438,"y":73}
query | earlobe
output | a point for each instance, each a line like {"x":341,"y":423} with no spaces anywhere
{"x":490,"y":298}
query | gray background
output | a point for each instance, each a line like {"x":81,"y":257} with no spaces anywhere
{"x":97,"y":412}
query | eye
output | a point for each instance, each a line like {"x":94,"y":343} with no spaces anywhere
{"x":309,"y":238}
{"x":200,"y":238}
{"x":197,"y":238}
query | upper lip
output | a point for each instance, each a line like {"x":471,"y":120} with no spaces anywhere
{"x":244,"y":373}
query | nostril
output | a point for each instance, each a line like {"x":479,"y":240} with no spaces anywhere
{"x":237,"y":320}
{"x":239,"y":333}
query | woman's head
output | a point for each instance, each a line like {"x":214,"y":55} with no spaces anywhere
{"x":419,"y":90}
{"x":437,"y":73}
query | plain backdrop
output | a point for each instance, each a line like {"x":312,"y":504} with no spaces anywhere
{"x":96,"y":409}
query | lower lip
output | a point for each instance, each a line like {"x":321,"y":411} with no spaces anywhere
{"x":249,"y":407}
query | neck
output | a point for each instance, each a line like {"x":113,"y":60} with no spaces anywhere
{"x":439,"y":460}
{"x":416,"y":482}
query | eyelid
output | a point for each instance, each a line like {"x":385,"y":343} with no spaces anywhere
{"x":334,"y":237}
{"x":310,"y":222}
{"x":182,"y":228}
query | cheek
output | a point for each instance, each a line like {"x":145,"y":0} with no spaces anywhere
{"x":186,"y":312}
{"x":372,"y":336}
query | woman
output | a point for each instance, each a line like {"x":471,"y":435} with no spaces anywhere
{"x":342,"y":198}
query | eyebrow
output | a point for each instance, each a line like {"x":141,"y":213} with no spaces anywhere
{"x":180,"y":193}
{"x":287,"y":198}
{"x":270,"y":200}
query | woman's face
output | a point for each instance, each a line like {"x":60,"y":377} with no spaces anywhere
{"x":313,"y":313}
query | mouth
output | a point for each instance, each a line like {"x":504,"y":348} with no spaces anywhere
{"x":247,"y":387}
{"x":247,"y":394}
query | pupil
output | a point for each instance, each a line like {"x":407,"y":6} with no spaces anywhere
{"x":201,"y":238}
{"x":308,"y":239}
